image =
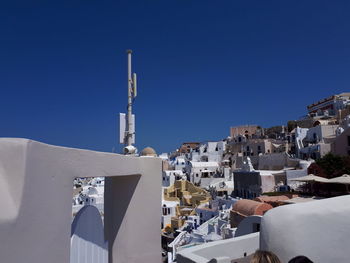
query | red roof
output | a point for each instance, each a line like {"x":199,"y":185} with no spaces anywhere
{"x":249,"y":207}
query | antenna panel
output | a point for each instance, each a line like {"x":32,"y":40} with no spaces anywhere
{"x":122,"y":127}
{"x":123,"y":130}
{"x":134,"y":82}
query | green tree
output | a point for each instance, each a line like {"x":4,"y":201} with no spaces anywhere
{"x":333,"y":165}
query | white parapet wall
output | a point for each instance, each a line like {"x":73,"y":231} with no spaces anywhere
{"x":223,"y":251}
{"x":36,"y":187}
{"x":319,"y":230}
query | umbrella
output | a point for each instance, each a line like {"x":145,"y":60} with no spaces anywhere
{"x":344,"y":179}
{"x":311,"y":178}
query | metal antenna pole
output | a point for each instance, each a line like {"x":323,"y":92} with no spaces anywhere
{"x":129,"y":119}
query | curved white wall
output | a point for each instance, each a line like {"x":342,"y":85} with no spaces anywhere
{"x":319,"y":230}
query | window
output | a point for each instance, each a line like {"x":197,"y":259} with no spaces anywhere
{"x":165,"y":210}
{"x":256,"y":227}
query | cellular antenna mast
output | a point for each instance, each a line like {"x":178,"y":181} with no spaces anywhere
{"x":127,"y":123}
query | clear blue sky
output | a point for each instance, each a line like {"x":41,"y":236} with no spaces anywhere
{"x":202,"y":66}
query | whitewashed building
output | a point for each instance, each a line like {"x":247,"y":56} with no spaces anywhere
{"x":198,"y":170}
{"x":168,"y":211}
{"x":209,"y":152}
{"x":179,"y":163}
{"x":170,"y":176}
{"x":288,"y":231}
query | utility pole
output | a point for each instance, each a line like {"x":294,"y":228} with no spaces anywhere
{"x":127,"y":121}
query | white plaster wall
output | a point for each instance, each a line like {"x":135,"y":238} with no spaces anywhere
{"x":300,"y":134}
{"x":205,"y":182}
{"x":180,"y":163}
{"x":168,"y":177}
{"x":321,"y":131}
{"x":34,"y":227}
{"x":314,"y":130}
{"x":224,"y":249}
{"x":247,"y":225}
{"x":267,"y":183}
{"x":211,"y":153}
{"x":88,"y":244}
{"x":196,"y":168}
{"x":317,"y":229}
{"x":195,"y":157}
{"x":165,"y":179}
{"x":166,"y":220}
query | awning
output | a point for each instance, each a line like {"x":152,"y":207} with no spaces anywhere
{"x":311,"y":178}
{"x":344,"y":179}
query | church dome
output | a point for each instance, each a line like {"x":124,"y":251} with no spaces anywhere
{"x":148,"y":151}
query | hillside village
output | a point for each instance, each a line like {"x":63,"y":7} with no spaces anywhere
{"x":219,"y":190}
{"x":210,"y":189}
